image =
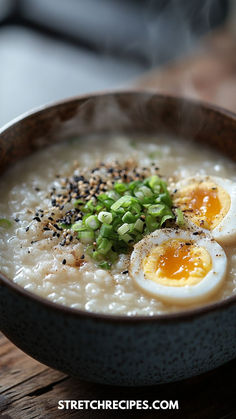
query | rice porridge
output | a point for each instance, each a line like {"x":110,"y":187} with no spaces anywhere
{"x":43,"y":251}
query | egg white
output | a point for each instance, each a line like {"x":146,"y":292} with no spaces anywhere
{"x":186,"y":294}
{"x":225,"y":231}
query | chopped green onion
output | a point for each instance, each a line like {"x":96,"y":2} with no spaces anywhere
{"x":65,"y":226}
{"x":154,"y":181}
{"x":124,"y":201}
{"x":106,"y":231}
{"x":146,"y":191}
{"x":156,"y":210}
{"x":126,"y":238}
{"x":89,"y":206}
{"x":102,"y":197}
{"x":108,"y":203}
{"x":89,"y":250}
{"x":164,"y":198}
{"x":86,"y":236}
{"x":119,"y":211}
{"x":123,"y":229}
{"x":139,"y":194}
{"x":97,"y":256}
{"x":78,"y":226}
{"x":120,"y":187}
{"x":139,"y":225}
{"x":104,"y":265}
{"x":134,"y":184}
{"x":180,"y":217}
{"x":98,"y":207}
{"x":105,"y":217}
{"x":4,"y":222}
{"x":112,"y":256}
{"x":136,"y":208}
{"x":113,"y":195}
{"x":128,"y":217}
{"x":104,"y":246}
{"x":78,"y":203}
{"x":151,"y":223}
{"x":92,"y":222}
{"x":165,"y":218}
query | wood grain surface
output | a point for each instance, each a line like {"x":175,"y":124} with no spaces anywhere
{"x":29,"y":389}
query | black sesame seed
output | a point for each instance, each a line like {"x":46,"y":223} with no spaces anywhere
{"x":17,"y":220}
{"x":78,"y":178}
{"x":37,"y":219}
{"x":64,"y":261}
{"x":82,"y":257}
{"x":57,"y":227}
{"x":125,"y":272}
{"x":27,"y":229}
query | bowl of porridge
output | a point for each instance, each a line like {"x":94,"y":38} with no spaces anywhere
{"x":118,"y":237}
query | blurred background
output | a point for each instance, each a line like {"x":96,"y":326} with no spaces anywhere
{"x":52,"y":49}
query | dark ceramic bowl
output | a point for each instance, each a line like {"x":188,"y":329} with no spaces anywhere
{"x":118,"y":349}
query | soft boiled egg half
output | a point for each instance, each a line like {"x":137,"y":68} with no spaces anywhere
{"x":210,"y":203}
{"x":178,"y":266}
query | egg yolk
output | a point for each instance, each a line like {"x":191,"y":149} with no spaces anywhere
{"x":177,"y":263}
{"x":205,"y":203}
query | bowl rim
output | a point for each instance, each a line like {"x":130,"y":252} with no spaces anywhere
{"x":185,"y":314}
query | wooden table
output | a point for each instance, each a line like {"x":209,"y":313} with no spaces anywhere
{"x":29,"y":389}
